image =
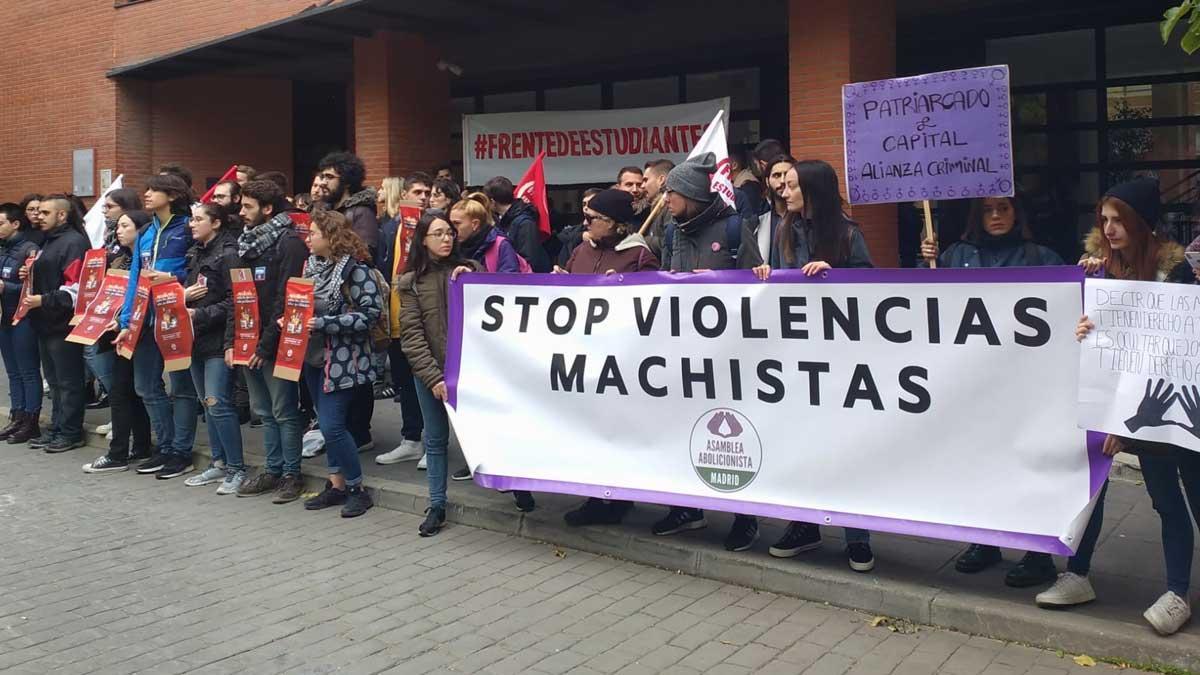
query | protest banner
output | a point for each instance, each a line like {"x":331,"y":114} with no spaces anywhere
{"x":95,"y":260}
{"x":245,"y":312}
{"x":1139,"y":369}
{"x":582,"y":146}
{"x":938,"y":136}
{"x":137,"y":318}
{"x":884,"y":399}
{"x":172,"y":325}
{"x":294,"y":333}
{"x":26,"y":289}
{"x":303,"y":224}
{"x":102,"y":310}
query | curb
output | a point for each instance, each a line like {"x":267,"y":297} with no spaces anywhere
{"x":1128,"y":641}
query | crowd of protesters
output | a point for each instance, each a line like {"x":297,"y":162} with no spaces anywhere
{"x":380,"y":321}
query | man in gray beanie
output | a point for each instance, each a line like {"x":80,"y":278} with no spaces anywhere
{"x":703,"y":235}
{"x":704,"y":231}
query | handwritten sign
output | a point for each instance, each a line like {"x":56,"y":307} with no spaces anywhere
{"x":1139,"y":369}
{"x":937,"y":136}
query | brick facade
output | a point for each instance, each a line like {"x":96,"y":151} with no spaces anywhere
{"x":831,"y":43}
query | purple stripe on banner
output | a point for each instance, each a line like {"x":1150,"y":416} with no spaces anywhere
{"x":454,"y":338}
{"x":993,"y":275}
{"x":1016,"y":540}
{"x":1098,"y":464}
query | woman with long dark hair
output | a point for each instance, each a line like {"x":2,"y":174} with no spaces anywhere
{"x":1124,"y":245}
{"x":31,"y":219}
{"x":433,"y":262}
{"x":815,"y":236}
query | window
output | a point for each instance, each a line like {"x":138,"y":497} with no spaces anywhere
{"x":741,"y":86}
{"x":1137,"y":50}
{"x":646,"y":93}
{"x":518,"y":101}
{"x":1050,"y":57}
{"x":584,"y":97}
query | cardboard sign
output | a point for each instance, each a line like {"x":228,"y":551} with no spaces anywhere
{"x":95,"y":260}
{"x":410,"y":213}
{"x":102,"y":310}
{"x":245,"y":316}
{"x":141,"y":304}
{"x":303,"y":223}
{"x":293,"y":336}
{"x":172,"y":325}
{"x":937,"y":136}
{"x":26,"y":289}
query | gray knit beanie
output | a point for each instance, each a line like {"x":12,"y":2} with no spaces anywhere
{"x":693,"y":177}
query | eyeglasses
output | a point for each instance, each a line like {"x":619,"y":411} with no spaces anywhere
{"x":442,"y":234}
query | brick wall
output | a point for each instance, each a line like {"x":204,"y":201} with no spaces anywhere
{"x":831,"y":43}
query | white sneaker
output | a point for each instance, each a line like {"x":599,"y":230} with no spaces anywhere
{"x":407,"y":451}
{"x":212,"y":474}
{"x":105,"y":428}
{"x":421,"y":463}
{"x":1070,"y":589}
{"x":231,"y":483}
{"x":312,"y":444}
{"x":108,"y":436}
{"x":1169,"y":613}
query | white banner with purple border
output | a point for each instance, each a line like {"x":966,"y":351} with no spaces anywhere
{"x":937,"y":403}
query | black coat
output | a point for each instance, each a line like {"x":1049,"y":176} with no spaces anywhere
{"x":519,"y":224}
{"x":270,"y":271}
{"x":212,"y":261}
{"x":56,"y":275}
{"x":13,"y":253}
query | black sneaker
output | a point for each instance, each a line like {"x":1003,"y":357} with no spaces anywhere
{"x":524,"y":501}
{"x":358,"y":500}
{"x":152,"y":465}
{"x":860,"y":557}
{"x":435,"y":518}
{"x":462,"y":474}
{"x":140,"y":455}
{"x":742,"y":534}
{"x":105,"y":464}
{"x":175,"y":465}
{"x":328,"y":497}
{"x":62,"y":444}
{"x":594,"y":512}
{"x":977,"y":558}
{"x":1034,"y":569}
{"x":797,"y":538}
{"x":41,"y":442}
{"x":679,"y":519}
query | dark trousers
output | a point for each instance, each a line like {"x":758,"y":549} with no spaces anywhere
{"x":362,"y":409}
{"x":62,"y":363}
{"x":412,"y":424}
{"x":1162,"y":476}
{"x":1081,"y":562}
{"x":129,"y":419}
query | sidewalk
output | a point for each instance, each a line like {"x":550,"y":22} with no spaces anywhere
{"x":914,"y":579}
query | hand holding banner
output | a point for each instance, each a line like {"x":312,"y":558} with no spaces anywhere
{"x":137,"y":319}
{"x":102,"y":310}
{"x":293,"y":338}
{"x":95,"y":260}
{"x":245,"y":316}
{"x":172,"y":325}
{"x":26,"y":289}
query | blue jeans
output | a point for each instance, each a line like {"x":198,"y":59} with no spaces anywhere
{"x":101,"y":365}
{"x":277,"y":403}
{"x":437,"y":438}
{"x":19,"y":347}
{"x":211,"y":379}
{"x":1162,"y":475}
{"x":186,"y":410}
{"x":148,"y":384}
{"x":333,"y":414}
{"x":1081,"y":562}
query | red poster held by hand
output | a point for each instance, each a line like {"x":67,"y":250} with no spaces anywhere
{"x":95,"y":260}
{"x":245,"y":316}
{"x":172,"y":325}
{"x":26,"y":289}
{"x":101,"y":312}
{"x":137,"y":319}
{"x":293,"y":338}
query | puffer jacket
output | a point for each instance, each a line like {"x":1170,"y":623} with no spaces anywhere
{"x":704,"y":242}
{"x":631,"y":254}
{"x":213,"y":262}
{"x":359,"y":209}
{"x":1172,"y":265}
{"x":13,"y":253}
{"x":423,"y":316}
{"x":520,"y":225}
{"x":347,"y":331}
{"x":857,"y":256}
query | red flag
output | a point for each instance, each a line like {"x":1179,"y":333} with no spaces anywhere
{"x":532,"y":189}
{"x":231,"y":174}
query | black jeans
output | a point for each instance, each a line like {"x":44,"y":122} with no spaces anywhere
{"x":129,"y":419}
{"x":62,"y":363}
{"x":412,"y":423}
{"x":362,"y":409}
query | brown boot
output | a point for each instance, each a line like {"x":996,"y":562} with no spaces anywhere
{"x":16,"y":421}
{"x":31,"y":429}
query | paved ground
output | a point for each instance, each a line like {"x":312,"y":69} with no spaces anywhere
{"x":122,"y":574}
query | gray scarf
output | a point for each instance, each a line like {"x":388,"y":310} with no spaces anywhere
{"x":254,"y":242}
{"x":327,"y":280}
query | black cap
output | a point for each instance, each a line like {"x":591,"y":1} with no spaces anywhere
{"x":1142,"y":195}
{"x":616,"y":204}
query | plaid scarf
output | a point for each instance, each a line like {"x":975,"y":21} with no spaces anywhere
{"x":254,"y":242}
{"x":327,"y":280}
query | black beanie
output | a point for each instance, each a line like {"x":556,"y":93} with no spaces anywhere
{"x":616,"y":204}
{"x":1141,"y":194}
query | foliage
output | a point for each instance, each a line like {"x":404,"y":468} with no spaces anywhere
{"x":1189,"y":10}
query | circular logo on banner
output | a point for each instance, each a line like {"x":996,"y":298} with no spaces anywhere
{"x":725,"y":450}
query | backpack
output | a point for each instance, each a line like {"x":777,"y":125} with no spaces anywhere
{"x":381,"y":333}
{"x":491,"y":257}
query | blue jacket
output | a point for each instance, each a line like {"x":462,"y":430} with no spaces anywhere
{"x":506,"y":258}
{"x":170,"y":255}
{"x":1014,"y":254}
{"x":13,"y":253}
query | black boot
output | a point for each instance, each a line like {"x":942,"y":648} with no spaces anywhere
{"x":16,"y":421}
{"x":977,"y":558}
{"x":1033,"y":570}
{"x":30,"y":430}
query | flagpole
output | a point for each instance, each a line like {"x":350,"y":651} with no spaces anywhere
{"x":658,"y":206}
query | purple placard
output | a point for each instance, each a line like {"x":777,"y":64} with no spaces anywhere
{"x":937,"y":136}
{"x":1098,"y":463}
